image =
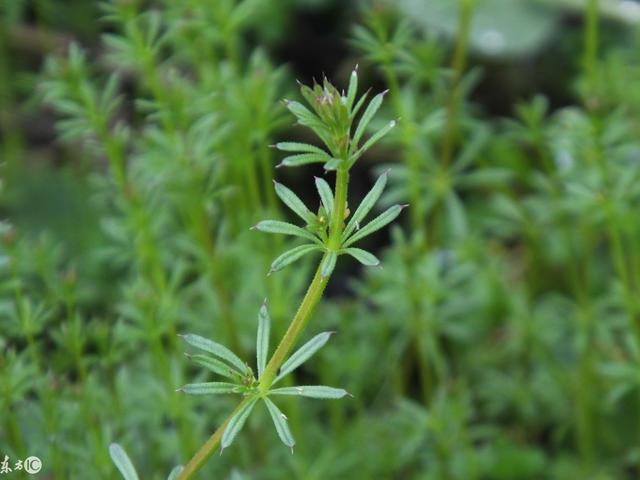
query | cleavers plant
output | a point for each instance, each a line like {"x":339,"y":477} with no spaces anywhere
{"x":333,"y":231}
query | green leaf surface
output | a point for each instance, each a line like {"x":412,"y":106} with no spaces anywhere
{"x":299,"y":147}
{"x":303,"y":354}
{"x":362,"y":256}
{"x":292,"y":255}
{"x":262,"y":340}
{"x":376,"y":224}
{"x":366,"y":205}
{"x":215,"y":365}
{"x":216,"y":349}
{"x":304,"y":159}
{"x":122,"y":462}
{"x":292,"y":201}
{"x":368,"y":114}
{"x":210,"y":388}
{"x":311,"y":391}
{"x":326,"y":194}
{"x":236,"y":423}
{"x":276,"y":226}
{"x":328,"y":264}
{"x":280,"y":422}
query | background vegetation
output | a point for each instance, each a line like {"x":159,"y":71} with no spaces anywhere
{"x":501,"y":338}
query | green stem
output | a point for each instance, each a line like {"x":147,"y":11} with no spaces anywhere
{"x":590,"y":53}
{"x":300,"y":320}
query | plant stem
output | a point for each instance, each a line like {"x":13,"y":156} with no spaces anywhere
{"x":300,"y":320}
{"x":209,"y":446}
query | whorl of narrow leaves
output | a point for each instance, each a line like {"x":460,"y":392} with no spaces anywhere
{"x":262,"y":339}
{"x":236,"y":423}
{"x":303,"y":354}
{"x":280,"y":422}
{"x":216,"y":349}
{"x":312,"y":391}
{"x":122,"y":462}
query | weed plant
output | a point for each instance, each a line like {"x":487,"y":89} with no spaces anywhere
{"x":491,"y":331}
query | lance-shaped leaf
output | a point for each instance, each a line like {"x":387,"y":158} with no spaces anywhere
{"x":359,"y":104}
{"x":328,"y":264}
{"x":366,"y":205}
{"x":299,"y":147}
{"x":291,"y":256}
{"x":218,"y":350}
{"x":304,"y":159}
{"x":368,"y":114}
{"x":215,"y":365}
{"x":311,"y":391}
{"x":326,"y":194}
{"x":280,"y":422}
{"x":376,"y":224}
{"x":303,"y":114}
{"x":303,"y":354}
{"x":292,"y":201}
{"x":210,"y":388}
{"x":262,"y":340}
{"x":374,"y":138}
{"x":333,"y":164}
{"x":353,"y":88}
{"x":122,"y":462}
{"x":236,"y":423}
{"x":276,"y":226}
{"x":364,"y":257}
{"x":175,"y":473}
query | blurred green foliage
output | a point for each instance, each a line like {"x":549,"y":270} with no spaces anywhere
{"x":501,"y":338}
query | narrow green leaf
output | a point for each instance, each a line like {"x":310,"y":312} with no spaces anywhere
{"x":292,"y":201}
{"x":353,"y":88}
{"x":374,"y":138}
{"x":376,"y":224}
{"x":333,"y":164}
{"x":276,"y":226}
{"x":368,"y":114}
{"x":291,"y":256}
{"x":299,"y":147}
{"x":215,"y":365}
{"x":328,"y":263}
{"x":359,"y":104}
{"x":362,"y":256}
{"x":210,"y":388}
{"x":303,"y":114}
{"x":175,"y":473}
{"x":326,"y":194}
{"x":304,"y":159}
{"x":280,"y":422}
{"x":122,"y":462}
{"x":262,"y":340}
{"x":366,"y":205}
{"x":303,"y":354}
{"x":216,"y":349}
{"x":311,"y":391}
{"x":236,"y":423}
